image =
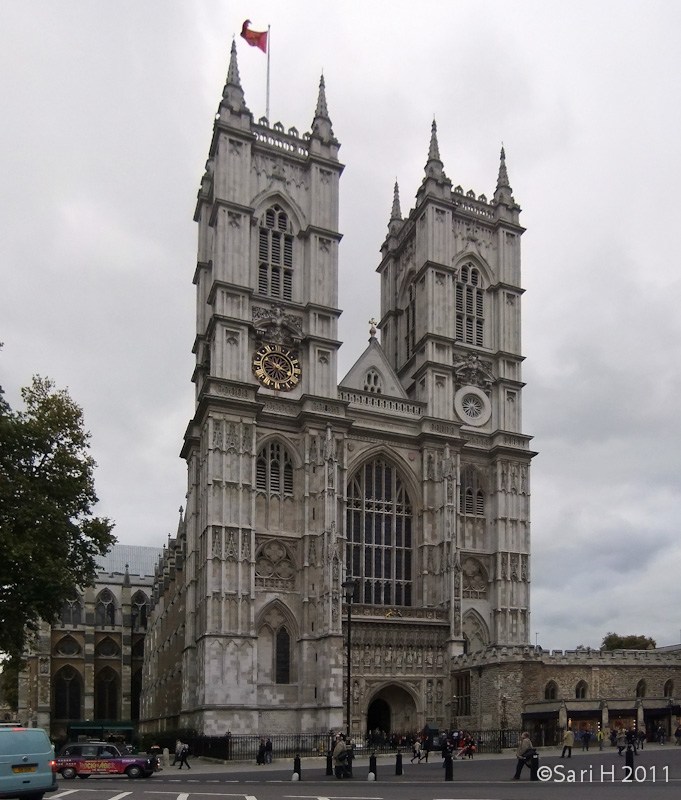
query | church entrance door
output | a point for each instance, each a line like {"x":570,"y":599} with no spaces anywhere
{"x":392,"y":710}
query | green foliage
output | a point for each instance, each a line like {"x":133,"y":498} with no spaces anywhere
{"x":9,"y":684}
{"x":48,"y":537}
{"x":613,"y":641}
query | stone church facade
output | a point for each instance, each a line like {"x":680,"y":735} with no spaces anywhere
{"x":410,"y":476}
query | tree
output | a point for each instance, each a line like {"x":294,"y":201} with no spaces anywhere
{"x":49,"y":539}
{"x":613,"y":641}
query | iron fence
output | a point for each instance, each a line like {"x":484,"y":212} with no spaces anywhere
{"x":244,"y":747}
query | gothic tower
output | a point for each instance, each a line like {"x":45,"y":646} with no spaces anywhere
{"x":409,"y":477}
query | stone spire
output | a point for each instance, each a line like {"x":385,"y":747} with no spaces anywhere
{"x":233,"y":94}
{"x":434,"y":167}
{"x":503,"y":192}
{"x":321,"y":124}
{"x":396,"y":213}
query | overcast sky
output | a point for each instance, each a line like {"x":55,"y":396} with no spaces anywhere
{"x":107,"y":109}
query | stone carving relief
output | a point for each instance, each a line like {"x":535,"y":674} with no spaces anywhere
{"x":473,"y":371}
{"x":274,"y":325}
{"x":474,"y":579}
{"x":231,"y":548}
{"x":274,"y":566}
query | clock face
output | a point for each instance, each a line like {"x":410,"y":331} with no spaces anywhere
{"x":276,"y":367}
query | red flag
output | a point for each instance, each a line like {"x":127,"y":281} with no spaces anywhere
{"x":254,"y":38}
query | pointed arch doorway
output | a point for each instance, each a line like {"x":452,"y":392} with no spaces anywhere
{"x":392,"y":710}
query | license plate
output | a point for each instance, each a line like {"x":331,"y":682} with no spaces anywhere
{"x":24,"y":769}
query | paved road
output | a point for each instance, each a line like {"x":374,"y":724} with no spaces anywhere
{"x":590,"y":776}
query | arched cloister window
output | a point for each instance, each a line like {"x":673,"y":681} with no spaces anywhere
{"x":67,"y":694}
{"x":140,"y":610}
{"x":470,"y":306}
{"x":581,"y":690}
{"x":71,"y":613}
{"x":105,"y":609}
{"x":275,"y":255}
{"x":276,"y":656}
{"x":669,"y":688}
{"x":472,"y":495}
{"x":641,"y":689}
{"x":106,"y":694}
{"x":551,"y":691}
{"x":274,"y":470}
{"x":379,"y":535}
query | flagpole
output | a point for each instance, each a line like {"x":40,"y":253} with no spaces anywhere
{"x":267,"y":103}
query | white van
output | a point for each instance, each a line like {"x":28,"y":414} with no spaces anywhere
{"x":27,"y":765}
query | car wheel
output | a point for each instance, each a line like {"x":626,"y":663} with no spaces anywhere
{"x":69,"y":773}
{"x":36,"y":796}
{"x":133,"y":771}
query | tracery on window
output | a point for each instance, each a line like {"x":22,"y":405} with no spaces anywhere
{"x":470,"y":306}
{"x":581,"y":690}
{"x":71,"y":613}
{"x":67,"y":692}
{"x":474,"y":579}
{"x":107,"y":648}
{"x":275,"y":255}
{"x":282,"y":656}
{"x":471,"y":494}
{"x":373,"y":382}
{"x":551,"y":691}
{"x":641,"y":689}
{"x":140,"y":610}
{"x":379,"y":535}
{"x":106,"y":694}
{"x":68,"y":647}
{"x":669,"y":688}
{"x":105,"y":609}
{"x":274,"y":470}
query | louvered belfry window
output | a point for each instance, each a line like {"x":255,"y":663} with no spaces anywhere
{"x":379,"y":535}
{"x":472,"y":496}
{"x":470,"y":307}
{"x":275,"y":255}
{"x":274,"y":470}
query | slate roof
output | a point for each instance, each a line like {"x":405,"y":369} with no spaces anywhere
{"x":140,"y":560}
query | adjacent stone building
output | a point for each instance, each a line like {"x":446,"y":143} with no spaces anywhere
{"x":86,"y":669}
{"x":410,"y":477}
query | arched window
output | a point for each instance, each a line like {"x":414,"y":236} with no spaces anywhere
{"x":135,"y":694}
{"x":67,"y":647}
{"x":470,"y":308}
{"x":67,"y":692}
{"x":379,"y":535}
{"x":106,"y":694}
{"x":71,"y":613}
{"x":274,"y":470}
{"x":105,"y":609}
{"x":669,"y":688}
{"x":372,"y":382}
{"x":275,"y":255}
{"x":551,"y":691}
{"x":641,"y":689}
{"x":282,"y":656}
{"x":107,"y":648}
{"x":581,"y":690}
{"x":140,"y":610}
{"x":471,"y":496}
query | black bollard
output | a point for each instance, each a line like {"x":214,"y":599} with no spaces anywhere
{"x":398,"y":763}
{"x":629,"y":759}
{"x":372,"y":765}
{"x":329,"y":764}
{"x":296,"y":767}
{"x":534,"y":767}
{"x":449,"y":767}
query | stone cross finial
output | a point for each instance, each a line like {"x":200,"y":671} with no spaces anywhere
{"x":372,"y":329}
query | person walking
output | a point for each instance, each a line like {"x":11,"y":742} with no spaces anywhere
{"x":600,"y":738}
{"x":661,"y":734}
{"x":522,"y":753}
{"x":586,"y":738}
{"x":416,"y":751}
{"x":568,"y":741}
{"x":178,"y":752}
{"x":340,"y":757}
{"x":268,"y":751}
{"x":184,"y":753}
{"x":621,"y":741}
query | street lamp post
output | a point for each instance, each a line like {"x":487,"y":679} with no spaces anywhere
{"x":349,"y":588}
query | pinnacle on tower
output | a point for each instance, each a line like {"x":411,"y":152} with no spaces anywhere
{"x":321,"y":125}
{"x":434,"y":167}
{"x":396,"y":213}
{"x":502,"y":180}
{"x":233,"y":94}
{"x":503,"y":192}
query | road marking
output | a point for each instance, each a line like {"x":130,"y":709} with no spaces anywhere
{"x":120,"y":796}
{"x":65,"y":792}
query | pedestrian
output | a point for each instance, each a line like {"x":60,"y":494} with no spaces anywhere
{"x":586,"y":738}
{"x":268,"y":751}
{"x":600,"y":738}
{"x":425,"y":749}
{"x":621,"y":740}
{"x":641,"y":737}
{"x":340,"y":757}
{"x":661,"y":733}
{"x":568,"y":741}
{"x":523,"y":753}
{"x":677,"y":735}
{"x":260,"y":757}
{"x":184,"y":753}
{"x":178,"y":752}
{"x":416,"y":751}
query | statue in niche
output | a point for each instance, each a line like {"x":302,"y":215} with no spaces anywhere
{"x":398,"y":659}
{"x":377,"y":657}
{"x":438,"y":692}
{"x":367,"y":655}
{"x":355,"y":692}
{"x":429,"y":693}
{"x":389,"y":655}
{"x":429,"y":657}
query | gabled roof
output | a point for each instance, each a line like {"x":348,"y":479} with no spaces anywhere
{"x":373,"y":358}
{"x":139,"y":560}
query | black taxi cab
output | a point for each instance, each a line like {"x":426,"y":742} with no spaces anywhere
{"x":102,"y":758}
